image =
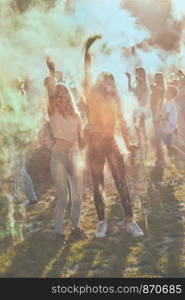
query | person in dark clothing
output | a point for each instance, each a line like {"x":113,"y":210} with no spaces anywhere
{"x":104,"y":114}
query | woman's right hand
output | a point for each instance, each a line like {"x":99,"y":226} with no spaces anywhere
{"x":50,"y":64}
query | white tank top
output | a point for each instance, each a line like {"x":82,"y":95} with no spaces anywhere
{"x":65,"y":128}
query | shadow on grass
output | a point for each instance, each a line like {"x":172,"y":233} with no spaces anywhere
{"x":163,"y":248}
{"x":34,"y":253}
{"x":118,"y":255}
{"x":94,"y":257}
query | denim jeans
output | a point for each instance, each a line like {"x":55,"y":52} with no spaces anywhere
{"x":28,"y":186}
{"x":100,"y":149}
{"x":68,"y":179}
{"x":23,"y":181}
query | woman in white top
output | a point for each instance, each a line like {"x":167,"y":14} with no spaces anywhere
{"x":67,"y":176}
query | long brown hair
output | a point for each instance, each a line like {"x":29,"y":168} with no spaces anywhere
{"x":104,"y":80}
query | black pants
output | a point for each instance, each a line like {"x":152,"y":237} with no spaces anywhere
{"x":100,"y":149}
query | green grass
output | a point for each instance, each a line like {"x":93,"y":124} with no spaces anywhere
{"x":159,"y":209}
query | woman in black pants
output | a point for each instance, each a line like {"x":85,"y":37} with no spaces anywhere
{"x":104,"y":114}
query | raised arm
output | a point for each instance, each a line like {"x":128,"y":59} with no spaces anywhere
{"x":51,"y":84}
{"x":87,"y":63}
{"x":51,"y":78}
{"x":130,"y":88}
{"x":87,"y":79}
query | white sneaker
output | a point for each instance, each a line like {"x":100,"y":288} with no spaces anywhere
{"x":101,"y":229}
{"x":134,"y":229}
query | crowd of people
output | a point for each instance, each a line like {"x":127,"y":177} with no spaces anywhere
{"x":93,"y":123}
{"x":164,"y":102}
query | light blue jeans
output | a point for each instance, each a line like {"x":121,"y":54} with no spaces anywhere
{"x":23,"y":181}
{"x":28,"y":186}
{"x":66,"y":175}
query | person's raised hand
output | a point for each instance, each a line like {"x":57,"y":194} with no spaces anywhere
{"x":50,"y":64}
{"x":128,"y":75}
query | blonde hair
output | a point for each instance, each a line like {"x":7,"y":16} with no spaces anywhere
{"x":71,"y":108}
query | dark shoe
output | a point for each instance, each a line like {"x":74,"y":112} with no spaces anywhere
{"x":78,"y":233}
{"x":59,"y":238}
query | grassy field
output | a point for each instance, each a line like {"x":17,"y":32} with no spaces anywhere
{"x":159,"y":205}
